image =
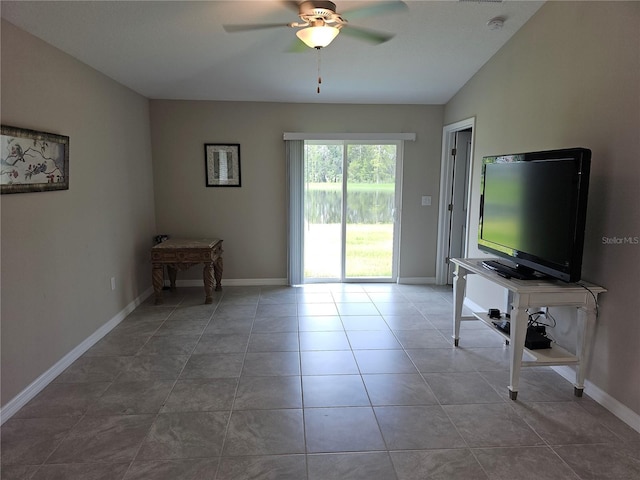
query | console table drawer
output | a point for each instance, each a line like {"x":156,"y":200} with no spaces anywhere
{"x":180,"y":256}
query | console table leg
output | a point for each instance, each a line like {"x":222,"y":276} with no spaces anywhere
{"x":459,"y":287}
{"x":207,"y":275}
{"x":157,"y":276}
{"x":586,"y":327}
{"x":518,"y":333}
{"x":217,"y":272}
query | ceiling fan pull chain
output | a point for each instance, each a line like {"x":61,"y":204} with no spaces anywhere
{"x":319,"y":65}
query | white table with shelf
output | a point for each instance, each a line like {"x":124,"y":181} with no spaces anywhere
{"x":532,"y":294}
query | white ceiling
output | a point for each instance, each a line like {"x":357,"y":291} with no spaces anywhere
{"x":179,"y":50}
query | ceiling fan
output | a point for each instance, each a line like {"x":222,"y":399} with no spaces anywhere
{"x":320,"y":22}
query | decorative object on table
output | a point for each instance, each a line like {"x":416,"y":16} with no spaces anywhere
{"x":32,"y":161}
{"x":222,"y":163}
{"x":160,"y":238}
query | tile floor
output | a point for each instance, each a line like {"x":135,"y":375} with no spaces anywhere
{"x":322,"y":382}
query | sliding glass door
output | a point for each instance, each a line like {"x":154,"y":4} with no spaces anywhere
{"x":350,"y":203}
{"x":323,"y":199}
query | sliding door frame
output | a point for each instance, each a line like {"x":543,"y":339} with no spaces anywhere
{"x":295,"y":175}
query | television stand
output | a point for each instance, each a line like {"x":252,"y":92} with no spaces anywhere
{"x":532,"y":294}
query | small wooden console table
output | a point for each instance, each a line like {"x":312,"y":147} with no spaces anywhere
{"x":181,"y":254}
{"x":532,"y":294}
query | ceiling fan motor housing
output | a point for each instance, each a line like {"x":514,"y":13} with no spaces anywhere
{"x":320,"y":9}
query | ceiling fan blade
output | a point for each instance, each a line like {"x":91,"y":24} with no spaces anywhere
{"x":252,"y":26}
{"x":371,"y":36}
{"x":378,"y":8}
{"x":293,"y":5}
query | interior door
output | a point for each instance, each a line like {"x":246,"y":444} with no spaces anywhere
{"x":458,"y":201}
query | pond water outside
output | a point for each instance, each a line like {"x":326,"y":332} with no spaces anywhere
{"x":370,"y":205}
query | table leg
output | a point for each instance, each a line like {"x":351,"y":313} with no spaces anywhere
{"x":207,"y":274}
{"x":459,"y":287}
{"x":157,"y":276}
{"x":172,"y":277}
{"x":217,"y":272}
{"x":518,"y":334}
{"x":586,"y":327}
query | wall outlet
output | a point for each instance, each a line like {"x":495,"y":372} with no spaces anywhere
{"x":426,"y":200}
{"x":113,"y":283}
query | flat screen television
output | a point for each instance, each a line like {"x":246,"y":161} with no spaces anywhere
{"x":533,"y":210}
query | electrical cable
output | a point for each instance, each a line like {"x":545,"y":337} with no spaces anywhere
{"x":595,"y":299}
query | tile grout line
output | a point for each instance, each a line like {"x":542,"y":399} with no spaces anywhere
{"x":235,"y":393}
{"x":159,"y":412}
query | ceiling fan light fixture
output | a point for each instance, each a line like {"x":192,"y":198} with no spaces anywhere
{"x":318,"y":36}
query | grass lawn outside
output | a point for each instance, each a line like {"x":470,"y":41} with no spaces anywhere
{"x":369,"y":250}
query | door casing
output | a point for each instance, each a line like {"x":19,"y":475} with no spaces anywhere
{"x":449,"y":133}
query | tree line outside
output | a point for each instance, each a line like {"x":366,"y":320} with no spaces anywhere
{"x":368,"y":164}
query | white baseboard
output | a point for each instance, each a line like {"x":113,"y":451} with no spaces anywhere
{"x":250,"y":282}
{"x":621,"y":411}
{"x":240,"y":282}
{"x":417,"y":280}
{"x":20,"y":400}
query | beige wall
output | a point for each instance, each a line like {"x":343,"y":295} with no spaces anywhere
{"x":252,"y":219}
{"x":60,"y":249}
{"x":570,"y":77}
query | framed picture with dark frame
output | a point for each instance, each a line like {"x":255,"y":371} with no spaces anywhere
{"x":32,"y":161}
{"x":222,"y":163}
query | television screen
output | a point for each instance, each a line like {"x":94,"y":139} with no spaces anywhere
{"x":533,"y":210}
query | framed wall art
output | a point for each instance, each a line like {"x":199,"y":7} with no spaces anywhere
{"x":32,"y":161}
{"x":222,"y":163}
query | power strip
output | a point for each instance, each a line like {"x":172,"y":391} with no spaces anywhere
{"x":536,"y":338}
